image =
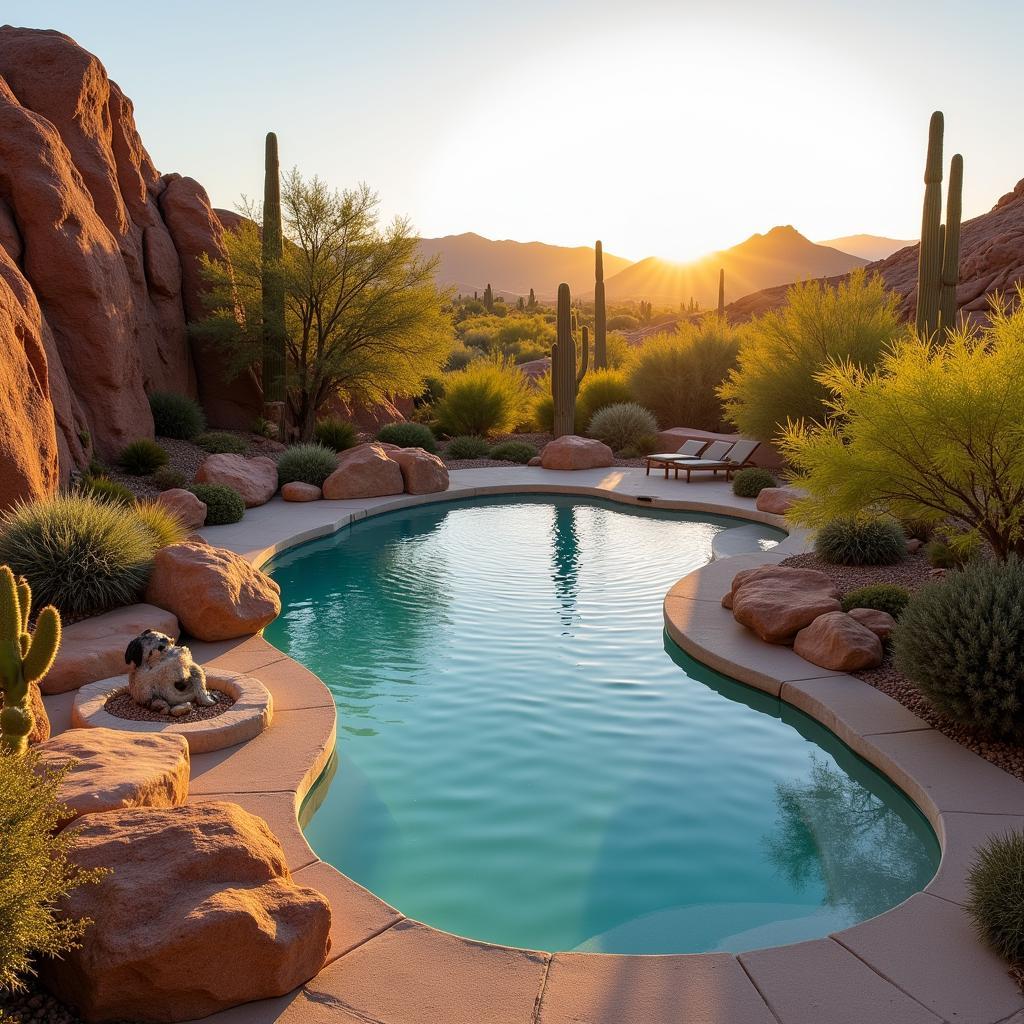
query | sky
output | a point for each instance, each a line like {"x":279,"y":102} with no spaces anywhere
{"x":663,"y":127}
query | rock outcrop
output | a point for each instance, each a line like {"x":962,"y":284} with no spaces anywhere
{"x":216,"y":594}
{"x":96,"y":285}
{"x":195,"y":892}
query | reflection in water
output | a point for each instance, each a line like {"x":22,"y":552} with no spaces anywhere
{"x":565,"y":549}
{"x":833,"y":832}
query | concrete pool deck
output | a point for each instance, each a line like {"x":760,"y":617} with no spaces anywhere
{"x":919,"y":962}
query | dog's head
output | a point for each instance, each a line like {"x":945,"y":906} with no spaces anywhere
{"x":147,"y":648}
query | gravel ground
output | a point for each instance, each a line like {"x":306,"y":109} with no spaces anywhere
{"x":36,"y":1006}
{"x":121,"y":705}
{"x":912,"y":573}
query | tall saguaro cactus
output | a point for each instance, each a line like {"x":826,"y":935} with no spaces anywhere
{"x":24,"y":658}
{"x":272,"y":280}
{"x":721,"y":293}
{"x":565,"y":378}
{"x":938,"y":265}
{"x":600,"y":312}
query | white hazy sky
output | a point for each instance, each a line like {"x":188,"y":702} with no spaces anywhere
{"x":664,"y":128}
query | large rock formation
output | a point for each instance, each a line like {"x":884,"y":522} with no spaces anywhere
{"x":991,"y":261}
{"x":95,"y":284}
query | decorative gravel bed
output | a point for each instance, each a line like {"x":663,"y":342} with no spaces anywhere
{"x":912,"y":573}
{"x":121,"y":705}
{"x":36,"y":1006}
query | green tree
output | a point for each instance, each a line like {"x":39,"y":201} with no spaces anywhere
{"x":363,"y":315}
{"x":784,"y":351}
{"x":936,"y":433}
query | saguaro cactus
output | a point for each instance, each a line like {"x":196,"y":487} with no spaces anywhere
{"x":929,"y":260}
{"x":721,"y":293}
{"x":600,"y":312}
{"x":951,"y":245}
{"x":272,"y":280}
{"x":488,"y":299}
{"x":565,"y":378}
{"x":24,"y":658}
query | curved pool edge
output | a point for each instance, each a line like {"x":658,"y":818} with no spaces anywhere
{"x":917,"y":961}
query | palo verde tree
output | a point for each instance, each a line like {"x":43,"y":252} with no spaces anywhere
{"x":934,"y":433}
{"x":364,"y":318}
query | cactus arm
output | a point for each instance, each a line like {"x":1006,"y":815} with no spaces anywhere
{"x":951,"y":245}
{"x":25,"y":600}
{"x":11,"y":618}
{"x":929,"y":266}
{"x":584,"y":357}
{"x":45,"y":642}
{"x":600,"y":312}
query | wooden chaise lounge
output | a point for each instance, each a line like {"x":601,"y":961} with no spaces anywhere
{"x":735,"y":458}
{"x":688,"y":450}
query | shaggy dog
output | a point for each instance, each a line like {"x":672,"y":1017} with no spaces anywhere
{"x":163,"y":676}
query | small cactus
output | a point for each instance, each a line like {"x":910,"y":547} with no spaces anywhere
{"x":24,"y":658}
{"x":565,"y":378}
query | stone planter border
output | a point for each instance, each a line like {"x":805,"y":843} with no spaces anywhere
{"x":245,"y":719}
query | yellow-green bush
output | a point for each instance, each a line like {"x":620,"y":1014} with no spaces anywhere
{"x":601,"y":388}
{"x":490,"y":396}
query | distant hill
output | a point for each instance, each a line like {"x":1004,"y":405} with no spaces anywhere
{"x":781,"y":256}
{"x":991,"y":262}
{"x":871,"y":247}
{"x":470,"y":262}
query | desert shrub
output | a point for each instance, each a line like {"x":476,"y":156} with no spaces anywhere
{"x":600,"y":388}
{"x":623,"y":322}
{"x":621,"y":426}
{"x":995,"y":894}
{"x":513,"y":451}
{"x":952,"y":552}
{"x":103,"y":489}
{"x":918,"y":529}
{"x":167,"y":478}
{"x":784,"y":353}
{"x":164,"y":526}
{"x":960,"y":642}
{"x":490,"y":396}
{"x":459,"y":358}
{"x":263,"y":427}
{"x":883,"y":597}
{"x":850,"y":541}
{"x":408,"y":435}
{"x":335,"y":433}
{"x":142,"y":457}
{"x":224,"y":504}
{"x":35,"y":872}
{"x":176,"y":415}
{"x":307,"y":463}
{"x":468,"y":447}
{"x":750,"y":482}
{"x":220,"y":442}
{"x":677,"y":375}
{"x":542,"y":408}
{"x":83,"y":555}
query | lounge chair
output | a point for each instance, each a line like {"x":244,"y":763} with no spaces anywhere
{"x":688,"y":450}
{"x":735,"y":458}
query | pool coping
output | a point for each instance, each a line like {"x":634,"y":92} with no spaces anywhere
{"x":919,"y":961}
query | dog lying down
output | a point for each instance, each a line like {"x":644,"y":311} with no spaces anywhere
{"x":163,"y":676}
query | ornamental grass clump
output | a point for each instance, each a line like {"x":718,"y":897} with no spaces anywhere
{"x":490,"y":396}
{"x":167,"y":478}
{"x":882,"y":597}
{"x":83,"y":555}
{"x":623,"y":425}
{"x":176,"y":415}
{"x":224,"y":505}
{"x":220,"y":442}
{"x":306,"y":463}
{"x":468,"y":447}
{"x":335,"y":433}
{"x":750,"y":482}
{"x":995,"y":894}
{"x":35,"y":871}
{"x":961,"y":643}
{"x":103,"y":489}
{"x":513,"y":451}
{"x":142,"y":457}
{"x":408,"y":435}
{"x":851,"y":541}
{"x":164,"y":525}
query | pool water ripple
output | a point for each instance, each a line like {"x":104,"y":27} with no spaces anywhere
{"x":525,"y":758}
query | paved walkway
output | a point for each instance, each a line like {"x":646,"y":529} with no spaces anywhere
{"x":919,"y":962}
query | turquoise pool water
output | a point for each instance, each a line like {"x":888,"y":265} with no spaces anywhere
{"x":524,"y":757}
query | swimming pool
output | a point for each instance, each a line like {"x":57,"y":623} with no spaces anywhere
{"x":525,"y":758}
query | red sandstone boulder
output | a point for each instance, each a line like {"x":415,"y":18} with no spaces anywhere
{"x":93,"y":648}
{"x":112,"y":769}
{"x":296,"y":490}
{"x":422,"y":472}
{"x":216,"y":594}
{"x":777,"y":500}
{"x":185,"y":505}
{"x":254,"y":479}
{"x":573,"y":452}
{"x":199,"y":913}
{"x":838,"y":642}
{"x":535,"y":461}
{"x":880,"y":623}
{"x":366,"y":471}
{"x":777,"y":601}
